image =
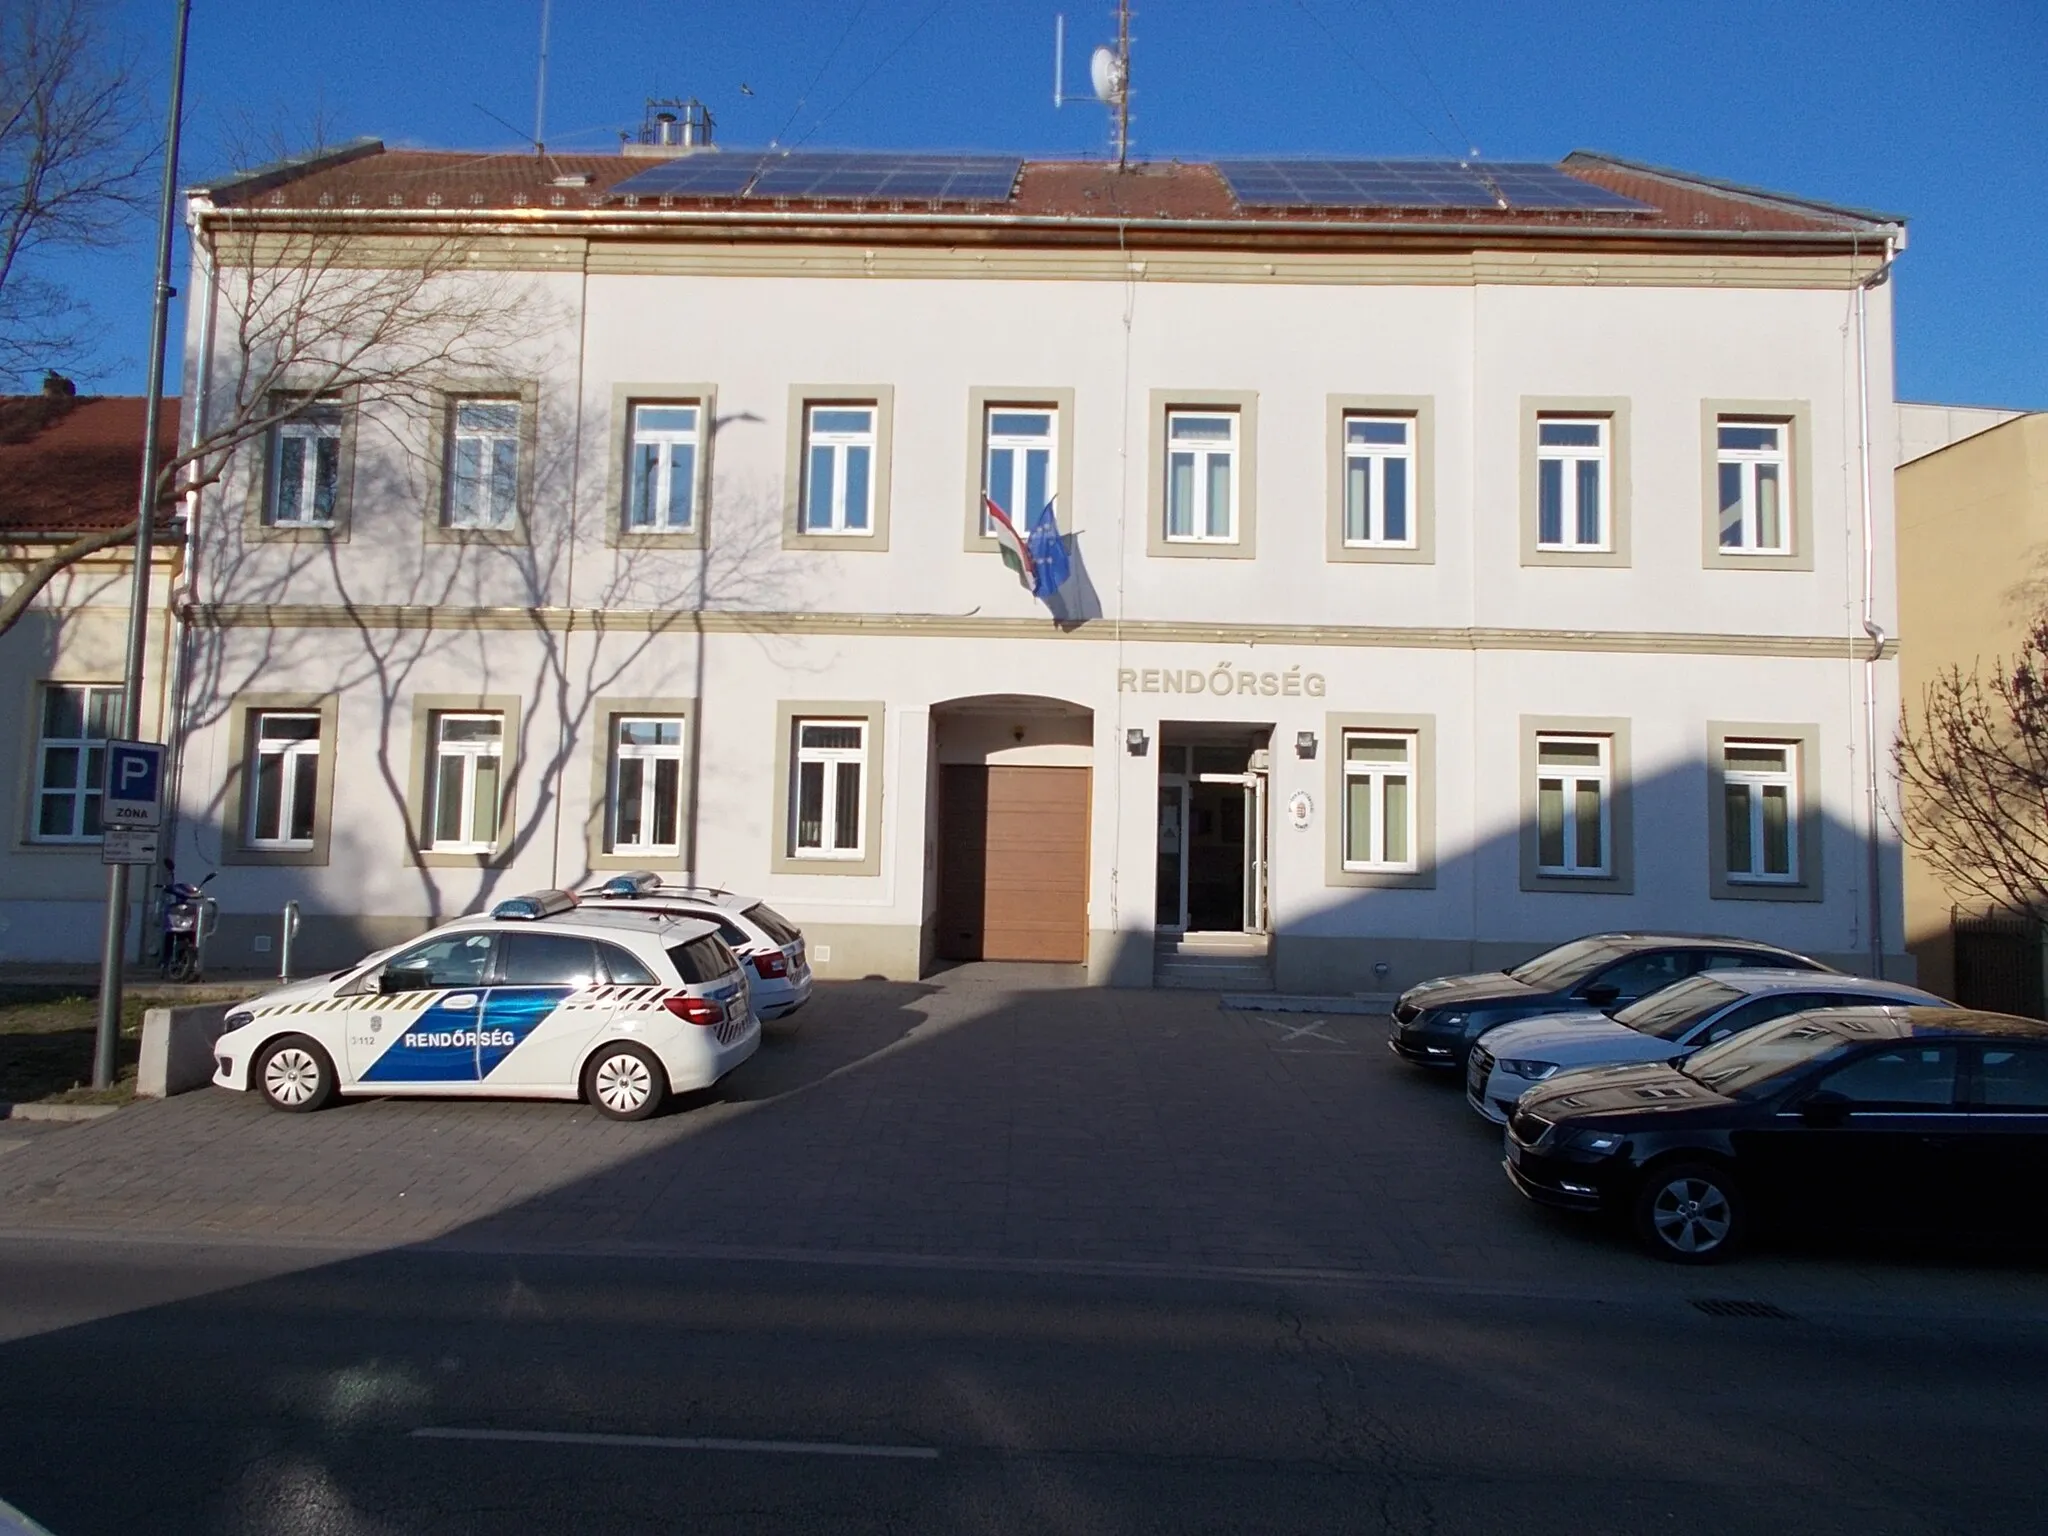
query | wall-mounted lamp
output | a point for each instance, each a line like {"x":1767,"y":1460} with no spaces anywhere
{"x":1304,"y":743}
{"x":1136,"y":741}
{"x":1016,"y":733}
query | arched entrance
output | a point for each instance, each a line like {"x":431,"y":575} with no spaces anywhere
{"x":1010,"y":827}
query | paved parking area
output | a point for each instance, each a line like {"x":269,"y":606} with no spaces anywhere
{"x":993,"y":1115}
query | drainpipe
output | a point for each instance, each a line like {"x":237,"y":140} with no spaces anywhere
{"x":1871,"y":628}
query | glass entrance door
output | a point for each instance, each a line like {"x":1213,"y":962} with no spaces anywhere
{"x":1171,"y":909}
{"x":1255,"y":853}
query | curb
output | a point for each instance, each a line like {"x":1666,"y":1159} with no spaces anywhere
{"x":57,"y":1111}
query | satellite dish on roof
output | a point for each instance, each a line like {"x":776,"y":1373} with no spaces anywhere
{"x":1106,"y":74}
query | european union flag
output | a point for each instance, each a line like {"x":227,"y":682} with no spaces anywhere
{"x":1048,"y":554}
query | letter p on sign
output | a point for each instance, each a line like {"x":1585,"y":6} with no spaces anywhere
{"x":134,"y":787}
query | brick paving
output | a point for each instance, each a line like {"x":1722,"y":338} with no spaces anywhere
{"x":994,"y":1113}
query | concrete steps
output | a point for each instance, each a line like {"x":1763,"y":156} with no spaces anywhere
{"x":1213,"y":962}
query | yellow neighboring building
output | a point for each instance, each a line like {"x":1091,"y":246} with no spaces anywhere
{"x":1973,"y":569}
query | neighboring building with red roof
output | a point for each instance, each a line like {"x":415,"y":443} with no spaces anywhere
{"x":1460,"y":556}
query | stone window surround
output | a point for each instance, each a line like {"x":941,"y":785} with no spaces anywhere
{"x":882,"y":397}
{"x":980,"y":400}
{"x":1621,"y":860}
{"x":624,"y":398}
{"x":425,"y":706}
{"x":1423,"y":729}
{"x":1805,"y":741}
{"x":1246,"y":403}
{"x":787,"y":712}
{"x":1797,"y":417}
{"x":234,"y":845}
{"x":1421,"y":409}
{"x":604,"y":712}
{"x":256,"y":529}
{"x":1616,"y":409}
{"x":440,"y":421}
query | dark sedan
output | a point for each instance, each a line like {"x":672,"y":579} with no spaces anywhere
{"x":1436,"y":1023}
{"x":1929,"y":1122}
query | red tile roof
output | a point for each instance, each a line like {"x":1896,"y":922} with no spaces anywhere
{"x":367,"y":177}
{"x":72,"y":463}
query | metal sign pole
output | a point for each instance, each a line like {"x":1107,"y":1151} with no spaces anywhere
{"x":106,"y":1044}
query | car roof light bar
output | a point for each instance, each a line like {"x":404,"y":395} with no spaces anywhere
{"x":634,"y":882}
{"x":534,"y":904}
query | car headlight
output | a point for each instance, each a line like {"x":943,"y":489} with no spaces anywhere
{"x":1535,"y":1071}
{"x":236,"y":1020}
{"x":1599,"y":1143}
{"x":1450,"y":1020}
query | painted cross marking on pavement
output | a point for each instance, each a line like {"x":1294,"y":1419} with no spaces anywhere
{"x":1313,"y":1030}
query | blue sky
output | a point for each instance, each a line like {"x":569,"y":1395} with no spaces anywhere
{"x":1937,"y":109}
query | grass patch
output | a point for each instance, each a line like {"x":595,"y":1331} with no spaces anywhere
{"x":46,"y":1045}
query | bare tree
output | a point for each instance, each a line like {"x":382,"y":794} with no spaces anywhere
{"x":1975,"y":773}
{"x":311,"y":316}
{"x":74,"y":155}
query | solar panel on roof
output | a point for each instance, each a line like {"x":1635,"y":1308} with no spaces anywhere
{"x":831,"y":176}
{"x":1415,"y":184}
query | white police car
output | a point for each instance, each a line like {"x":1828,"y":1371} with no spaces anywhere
{"x":537,"y":1000}
{"x":769,"y":944}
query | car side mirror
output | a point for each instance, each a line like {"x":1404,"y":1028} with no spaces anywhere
{"x":1601,"y":993}
{"x":1824,"y":1107}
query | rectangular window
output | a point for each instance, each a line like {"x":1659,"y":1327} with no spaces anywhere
{"x":1761,"y":784}
{"x":468,"y":782}
{"x":71,"y":760}
{"x":839,"y":469}
{"x":1572,"y":482}
{"x":662,"y":469}
{"x":1379,"y":801}
{"x":1754,"y":478}
{"x":1572,"y":805}
{"x":305,"y":468}
{"x":483,"y":464}
{"x":829,"y":803}
{"x":1020,"y":463}
{"x":284,"y":774}
{"x":1201,"y":477}
{"x":647,"y":784}
{"x":1379,"y":477}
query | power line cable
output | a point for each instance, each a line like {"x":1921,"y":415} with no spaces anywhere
{"x":922,"y":22}
{"x":851,"y":22}
{"x":1385,"y":89}
{"x":1416,"y":54}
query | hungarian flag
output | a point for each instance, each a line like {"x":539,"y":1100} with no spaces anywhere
{"x":1015,"y":550}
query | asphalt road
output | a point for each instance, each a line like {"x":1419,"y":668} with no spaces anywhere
{"x":154,"y":1387}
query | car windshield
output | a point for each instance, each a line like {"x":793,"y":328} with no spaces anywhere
{"x":1567,"y":965}
{"x":772,"y":923}
{"x":1755,"y":1065}
{"x":1670,"y":1013}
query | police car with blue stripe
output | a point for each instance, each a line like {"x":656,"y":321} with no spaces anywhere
{"x":537,"y":1000}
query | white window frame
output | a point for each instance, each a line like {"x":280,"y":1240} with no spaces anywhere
{"x":1375,"y":457}
{"x":1203,"y":450}
{"x":487,"y":516}
{"x":1378,"y":773}
{"x":86,"y":746}
{"x":317,"y":426}
{"x":1570,"y":781}
{"x":1019,"y":445}
{"x":841,"y":442}
{"x":833,"y":761}
{"x":1568,"y":456}
{"x":667,"y":439}
{"x":650,"y":754}
{"x":1749,"y":462}
{"x":1755,"y":781}
{"x":469,"y":753}
{"x":288,"y":754}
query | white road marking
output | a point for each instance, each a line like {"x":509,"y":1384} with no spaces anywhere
{"x":1313,"y":1030}
{"x":683,"y":1443}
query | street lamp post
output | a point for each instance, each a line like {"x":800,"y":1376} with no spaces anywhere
{"x":107,"y":1043}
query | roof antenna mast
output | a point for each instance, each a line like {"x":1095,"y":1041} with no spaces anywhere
{"x":1109,"y":72}
{"x":540,"y":90}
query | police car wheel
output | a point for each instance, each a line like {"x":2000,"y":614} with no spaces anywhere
{"x":625,"y":1082}
{"x":295,"y":1075}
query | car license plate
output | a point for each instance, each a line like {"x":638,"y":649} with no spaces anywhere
{"x":1475,"y":1077}
{"x":1514,"y":1151}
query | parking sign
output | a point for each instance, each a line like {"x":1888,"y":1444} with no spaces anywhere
{"x":133,"y":796}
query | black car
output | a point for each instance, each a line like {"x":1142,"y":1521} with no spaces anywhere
{"x":1929,"y":1122}
{"x":1436,"y":1022}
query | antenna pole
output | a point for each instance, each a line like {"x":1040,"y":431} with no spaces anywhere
{"x":1123,"y":90}
{"x":1059,"y":58}
{"x":540,"y":90}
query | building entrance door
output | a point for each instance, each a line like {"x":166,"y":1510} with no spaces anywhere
{"x":1213,"y":841}
{"x":1171,"y":909}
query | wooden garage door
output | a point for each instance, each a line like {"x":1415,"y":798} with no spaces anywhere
{"x":1013,"y":863}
